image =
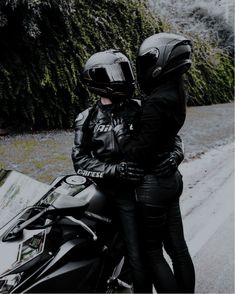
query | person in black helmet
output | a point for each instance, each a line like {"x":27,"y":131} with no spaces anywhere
{"x":96,"y":153}
{"x":162,"y":59}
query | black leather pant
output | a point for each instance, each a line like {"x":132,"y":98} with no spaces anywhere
{"x":161,"y":224}
{"x":122,"y":198}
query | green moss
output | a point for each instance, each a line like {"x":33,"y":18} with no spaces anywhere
{"x":211,"y":75}
{"x":40,"y":63}
{"x":38,"y":164}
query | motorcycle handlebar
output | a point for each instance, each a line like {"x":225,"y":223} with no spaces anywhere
{"x":96,"y":217}
{"x":83,"y":225}
{"x":92,"y":216}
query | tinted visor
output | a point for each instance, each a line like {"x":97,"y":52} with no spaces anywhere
{"x":119,"y":72}
{"x":146,"y":61}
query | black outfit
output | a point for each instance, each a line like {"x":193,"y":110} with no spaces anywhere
{"x":163,"y":114}
{"x":158,"y":197}
{"x":96,"y":154}
{"x":96,"y":151}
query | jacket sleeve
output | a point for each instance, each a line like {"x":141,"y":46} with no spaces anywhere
{"x":178,"y":150}
{"x":84,"y":162}
{"x":141,"y":146}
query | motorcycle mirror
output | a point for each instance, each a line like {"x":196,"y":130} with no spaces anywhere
{"x":68,"y":205}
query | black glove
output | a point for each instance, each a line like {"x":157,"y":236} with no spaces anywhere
{"x":117,"y":121}
{"x":130,"y":171}
{"x":167,"y":167}
{"x":120,"y":128}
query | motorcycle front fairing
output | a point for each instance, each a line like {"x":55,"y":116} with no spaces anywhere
{"x":18,"y":191}
{"x":68,"y":271}
{"x":37,"y":258}
{"x":79,"y":266}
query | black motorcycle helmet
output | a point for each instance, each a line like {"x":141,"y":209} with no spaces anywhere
{"x":109,"y":74}
{"x":161,"y":57}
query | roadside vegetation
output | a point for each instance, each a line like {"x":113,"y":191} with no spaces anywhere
{"x":44,"y":44}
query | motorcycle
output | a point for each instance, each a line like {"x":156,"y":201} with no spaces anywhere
{"x":62,"y":241}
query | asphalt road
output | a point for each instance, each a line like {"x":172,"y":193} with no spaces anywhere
{"x":207,"y":201}
{"x":208,"y":215}
{"x":214,"y":261}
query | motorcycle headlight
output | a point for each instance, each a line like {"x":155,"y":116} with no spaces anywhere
{"x":9,"y":282}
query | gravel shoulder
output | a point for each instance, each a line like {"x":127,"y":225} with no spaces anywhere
{"x":46,"y":155}
{"x":206,"y":128}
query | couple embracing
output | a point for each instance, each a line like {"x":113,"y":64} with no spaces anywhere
{"x":133,"y":151}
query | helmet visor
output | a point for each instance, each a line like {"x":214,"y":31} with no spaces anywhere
{"x":119,"y":72}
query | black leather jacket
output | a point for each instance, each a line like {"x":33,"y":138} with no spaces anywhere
{"x":96,"y":152}
{"x":163,"y":115}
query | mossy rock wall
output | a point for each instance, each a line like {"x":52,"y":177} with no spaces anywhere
{"x":44,"y":44}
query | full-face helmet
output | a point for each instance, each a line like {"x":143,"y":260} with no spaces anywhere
{"x":161,"y":57}
{"x":109,"y":74}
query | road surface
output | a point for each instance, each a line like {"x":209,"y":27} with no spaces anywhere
{"x":207,"y":201}
{"x":208,"y":214}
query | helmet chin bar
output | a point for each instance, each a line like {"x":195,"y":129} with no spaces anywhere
{"x":118,"y":98}
{"x":117,"y":93}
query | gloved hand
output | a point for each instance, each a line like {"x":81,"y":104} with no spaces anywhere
{"x":120,"y":128}
{"x":117,"y":121}
{"x":130,"y":171}
{"x":167,"y":167}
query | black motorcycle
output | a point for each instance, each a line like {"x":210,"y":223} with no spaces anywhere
{"x":62,"y":241}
